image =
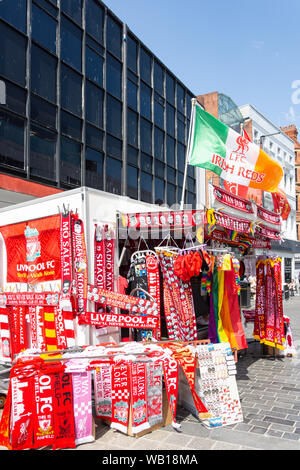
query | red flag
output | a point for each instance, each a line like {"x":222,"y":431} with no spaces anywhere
{"x":281,"y":204}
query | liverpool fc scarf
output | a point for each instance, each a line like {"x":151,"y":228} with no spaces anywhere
{"x":17,"y":327}
{"x":154,"y":395}
{"x":171,"y":371}
{"x":22,"y":405}
{"x":109,"y":243}
{"x":80,"y":262}
{"x":102,"y":387}
{"x":138,"y":378}
{"x":154,"y":288}
{"x":82,"y":393}
{"x":66,"y":260}
{"x":120,"y":397}
{"x":44,"y":413}
{"x":4,"y":335}
{"x":64,"y":431}
{"x":99,"y":260}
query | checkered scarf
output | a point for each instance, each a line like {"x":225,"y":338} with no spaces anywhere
{"x":82,"y":395}
{"x":120,"y":397}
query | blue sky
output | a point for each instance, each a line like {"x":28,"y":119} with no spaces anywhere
{"x":248,"y":50}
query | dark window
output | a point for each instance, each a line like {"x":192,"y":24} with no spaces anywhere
{"x":191,"y":185}
{"x":43,"y":112}
{"x":71,"y":125}
{"x":170,"y":89}
{"x":15,"y":98}
{"x":145,"y":136}
{"x":113,"y":76}
{"x":114,"y":36}
{"x":146,"y":187}
{"x":159,"y":169}
{"x":158,"y":78}
{"x":94,"y":45}
{"x":94,"y":104}
{"x":188,"y":105}
{"x":146,"y":163}
{"x":159,"y":191}
{"x":94,"y":20}
{"x":131,"y":94}
{"x":94,"y":137}
{"x":145,"y":100}
{"x":12,"y":54}
{"x":73,"y":8}
{"x":71,"y":43}
{"x":43,"y":73}
{"x":180,"y":98}
{"x":132,"y":155}
{"x":170,"y":151}
{"x":70,"y":162}
{"x":11,"y":141}
{"x":145,"y":66}
{"x":14,"y":14}
{"x":191,"y":199}
{"x":180,"y":157}
{"x":191,"y":171}
{"x":159,"y":144}
{"x":113,"y":175}
{"x":180,"y":179}
{"x":170,"y":120}
{"x":132,"y":128}
{"x":93,"y":168}
{"x":94,"y":66}
{"x":71,"y":90}
{"x":171,"y":194}
{"x":113,"y":147}
{"x":181,"y":128}
{"x":159,"y":110}
{"x":132,"y":182}
{"x":42,"y":153}
{"x":132,"y":49}
{"x":46,"y":6}
{"x":171,"y":175}
{"x":43,"y":28}
{"x":114,"y":116}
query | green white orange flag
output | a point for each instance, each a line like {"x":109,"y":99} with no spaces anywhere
{"x":218,"y":148}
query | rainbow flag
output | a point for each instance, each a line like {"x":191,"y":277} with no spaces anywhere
{"x":218,"y":148}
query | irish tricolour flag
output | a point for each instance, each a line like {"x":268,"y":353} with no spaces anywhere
{"x":216,"y":147}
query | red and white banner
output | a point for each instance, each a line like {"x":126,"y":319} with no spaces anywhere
{"x":139,"y":412}
{"x":152,"y":266}
{"x":268,"y":216}
{"x":80,"y":264}
{"x":223,"y":237}
{"x":66,"y":260}
{"x":121,"y":320}
{"x":22,"y":421}
{"x":174,"y":219}
{"x":233,"y":201}
{"x":233,"y":223}
{"x":267,"y":232}
{"x":40,"y":299}
{"x":44,"y":415}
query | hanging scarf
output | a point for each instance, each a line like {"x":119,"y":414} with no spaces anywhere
{"x":154,"y":288}
{"x":109,"y":243}
{"x":280,"y":333}
{"x":99,"y":261}
{"x":50,"y":329}
{"x":82,"y":394}
{"x":259,"y":325}
{"x":17,"y":328}
{"x":22,"y":406}
{"x":66,"y":260}
{"x":80,"y":263}
{"x":5,"y":347}
{"x":213,"y":317}
{"x":36,"y":318}
{"x":154,"y":393}
{"x":138,"y":376}
{"x":64,"y":431}
{"x":102,"y":388}
{"x":120,"y":397}
{"x":6,"y":419}
{"x":171,"y":372}
{"x":44,"y":415}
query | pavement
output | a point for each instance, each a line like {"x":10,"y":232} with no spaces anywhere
{"x":269,"y":389}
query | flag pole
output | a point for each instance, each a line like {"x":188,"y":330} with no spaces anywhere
{"x":194,"y":101}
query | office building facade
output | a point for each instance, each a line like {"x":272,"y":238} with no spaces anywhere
{"x":88,"y":104}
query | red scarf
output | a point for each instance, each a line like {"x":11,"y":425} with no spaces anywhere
{"x":44,"y":415}
{"x":80,"y":263}
{"x":154,"y":288}
{"x":139,"y":397}
{"x":64,"y":429}
{"x":102,"y":387}
{"x":259,"y":325}
{"x":171,"y":371}
{"x":22,"y":406}
{"x":120,"y":397}
{"x":5,"y":347}
{"x":99,"y":261}
{"x":109,"y":243}
{"x":17,"y":327}
{"x":66,"y":260}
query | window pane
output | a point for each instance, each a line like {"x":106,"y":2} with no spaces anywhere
{"x":11,"y":141}
{"x":93,"y":168}
{"x":180,"y":131}
{"x":132,"y":155}
{"x":180,"y":157}
{"x":94,"y":66}
{"x":145,"y":66}
{"x":43,"y":28}
{"x":73,"y":8}
{"x":113,"y":76}
{"x":71,"y":41}
{"x":191,"y":185}
{"x":180,"y":98}
{"x":15,"y":98}
{"x":146,"y":163}
{"x":159,"y":115}
{"x":171,"y":175}
{"x":170,"y":88}
{"x":114,"y":36}
{"x":70,"y":125}
{"x":71,"y":92}
{"x":158,"y":78}
{"x":12,"y":54}
{"x":170,"y":151}
{"x":42,"y":112}
{"x":145,"y":100}
{"x":146,"y":136}
{"x":70,"y":162}
{"x":132,"y":128}
{"x":146,"y":187}
{"x":94,"y":104}
{"x":159,"y":191}
{"x":42,"y":153}
{"x":16,"y":14}
{"x":170,"y":120}
{"x":132,"y":182}
{"x":131,"y":95}
{"x":114,"y":147}
{"x":191,"y":199}
{"x":113,"y":175}
{"x":171,"y":194}
{"x":43,"y":73}
{"x":159,"y":169}
{"x":94,"y":20}
{"x":132,"y":53}
{"x":114,"y":116}
{"x":159,"y":144}
{"x":94,"y":137}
